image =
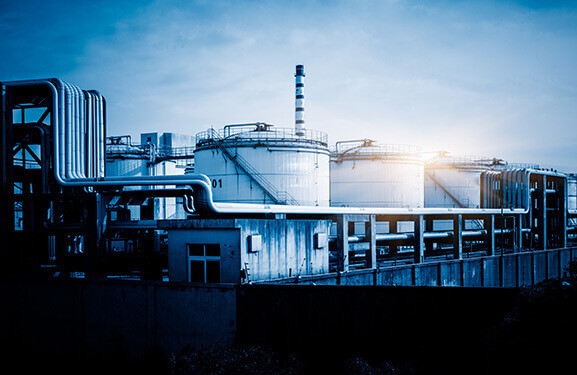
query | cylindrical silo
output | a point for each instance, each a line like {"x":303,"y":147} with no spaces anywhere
{"x":364,"y":174}
{"x":454,"y":181}
{"x":572,"y":192}
{"x":257,"y":163}
{"x":124,"y":159}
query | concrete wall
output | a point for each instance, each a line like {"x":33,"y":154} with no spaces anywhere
{"x":510,"y":270}
{"x":112,"y":320}
{"x":432,"y":324}
{"x":287,"y":248}
{"x":132,"y":321}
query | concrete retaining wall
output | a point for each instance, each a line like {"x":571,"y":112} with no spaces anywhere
{"x":327,"y":323}
{"x":509,"y":271}
{"x":113,"y":321}
{"x":126,"y":321}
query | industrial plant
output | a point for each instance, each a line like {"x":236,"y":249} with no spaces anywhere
{"x":254,"y":203}
{"x":250,"y":202}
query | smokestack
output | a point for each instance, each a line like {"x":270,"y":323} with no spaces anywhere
{"x":300,"y":101}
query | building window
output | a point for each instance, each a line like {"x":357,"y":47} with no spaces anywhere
{"x":204,"y":263}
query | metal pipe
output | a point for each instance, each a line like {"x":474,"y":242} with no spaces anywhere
{"x":386,"y":237}
{"x":89,"y":134}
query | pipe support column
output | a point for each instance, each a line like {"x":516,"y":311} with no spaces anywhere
{"x":458,"y":237}
{"x":343,"y":243}
{"x":419,"y":241}
{"x":489,"y":224}
{"x":371,"y":235}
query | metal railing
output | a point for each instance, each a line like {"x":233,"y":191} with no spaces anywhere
{"x":122,"y":145}
{"x":257,"y":132}
{"x":363,"y":149}
{"x":477,"y":161}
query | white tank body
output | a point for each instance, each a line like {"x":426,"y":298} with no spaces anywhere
{"x":127,"y":162}
{"x":367,"y":175}
{"x":126,"y":167}
{"x":455,"y":181}
{"x":572,"y":193}
{"x":255,"y":164}
{"x":453,"y":186}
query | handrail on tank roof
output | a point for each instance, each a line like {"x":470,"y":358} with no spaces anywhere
{"x":263,"y":133}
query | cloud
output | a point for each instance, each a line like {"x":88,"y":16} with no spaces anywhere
{"x":487,"y":78}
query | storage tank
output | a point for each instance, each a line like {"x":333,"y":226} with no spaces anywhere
{"x":364,"y":174}
{"x":454,"y":181}
{"x":258,"y":163}
{"x":124,"y":159}
{"x":572,"y":192}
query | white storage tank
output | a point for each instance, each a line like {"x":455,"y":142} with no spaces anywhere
{"x":572,"y":192}
{"x":454,"y":181}
{"x":364,"y":174}
{"x":257,"y":163}
{"x":124,"y":159}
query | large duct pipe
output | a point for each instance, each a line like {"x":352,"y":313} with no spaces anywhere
{"x":300,"y":101}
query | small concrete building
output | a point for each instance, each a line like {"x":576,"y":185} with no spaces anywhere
{"x":245,"y":250}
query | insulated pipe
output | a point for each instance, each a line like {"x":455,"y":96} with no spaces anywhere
{"x":68,"y":133}
{"x":62,"y":102}
{"x":74,"y":149}
{"x":101,"y":133}
{"x":80,"y":132}
{"x":89,"y":134}
{"x":385,"y":237}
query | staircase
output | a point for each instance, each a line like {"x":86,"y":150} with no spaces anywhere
{"x":452,"y":193}
{"x":461,"y":201}
{"x":277,"y":196}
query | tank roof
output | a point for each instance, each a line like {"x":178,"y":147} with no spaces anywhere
{"x":369,"y":149}
{"x":261,"y":134}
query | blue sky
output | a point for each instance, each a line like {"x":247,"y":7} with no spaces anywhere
{"x":487,"y":78}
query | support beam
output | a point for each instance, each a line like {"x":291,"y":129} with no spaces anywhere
{"x":489,"y":224}
{"x":371,"y":235}
{"x":542,"y":215}
{"x":563,"y":213}
{"x":458,"y":237}
{"x":419,"y":241}
{"x":343,"y":243}
{"x":518,"y":234}
{"x":95,"y":227}
{"x":429,"y":228}
{"x":393,"y":229}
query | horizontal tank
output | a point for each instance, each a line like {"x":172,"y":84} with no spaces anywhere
{"x":257,"y":163}
{"x":364,"y":174}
